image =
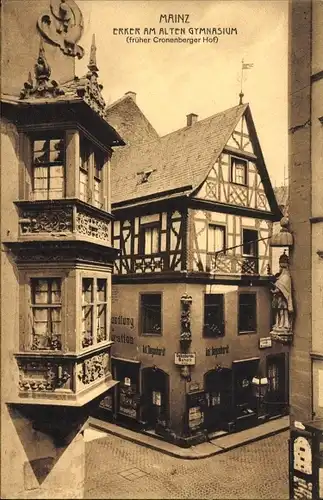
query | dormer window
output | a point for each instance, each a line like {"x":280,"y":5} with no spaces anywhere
{"x":239,"y":171}
{"x":145,"y":176}
{"x":48,"y":168}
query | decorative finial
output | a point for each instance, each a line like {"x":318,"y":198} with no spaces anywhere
{"x":42,"y":87}
{"x":42,"y":68}
{"x":241,"y":95}
{"x":92,"y":63}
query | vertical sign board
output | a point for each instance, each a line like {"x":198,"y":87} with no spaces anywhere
{"x":196,"y":403}
{"x":301,"y":465}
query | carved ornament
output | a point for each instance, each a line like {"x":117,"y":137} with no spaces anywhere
{"x":41,"y":87}
{"x":41,"y":376}
{"x":186,"y":335}
{"x":48,"y":221}
{"x":93,"y":368}
{"x":63,"y":26}
{"x":91,"y":226}
{"x":88,"y":87}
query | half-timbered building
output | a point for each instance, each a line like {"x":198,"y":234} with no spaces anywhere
{"x":191,"y":301}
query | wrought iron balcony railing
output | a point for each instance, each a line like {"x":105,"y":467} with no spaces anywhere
{"x":221,"y":263}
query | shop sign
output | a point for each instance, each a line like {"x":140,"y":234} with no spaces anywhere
{"x":194,"y":386}
{"x":154,"y":351}
{"x":107,"y":402}
{"x":123,"y":339}
{"x":129,"y":412}
{"x":185,"y":358}
{"x":265,"y":342}
{"x":195,"y":417}
{"x":215,"y":351}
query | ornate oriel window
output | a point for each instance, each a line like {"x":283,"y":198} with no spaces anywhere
{"x":239,"y":171}
{"x":247,"y":312}
{"x":48,"y":168}
{"x":94,"y":311}
{"x":213,"y":315}
{"x":151,"y":313}
{"x":46,"y":306}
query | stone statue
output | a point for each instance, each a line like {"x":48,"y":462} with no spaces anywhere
{"x":282,"y":303}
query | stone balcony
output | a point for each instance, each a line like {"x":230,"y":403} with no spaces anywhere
{"x":65,"y":379}
{"x":68,"y":219}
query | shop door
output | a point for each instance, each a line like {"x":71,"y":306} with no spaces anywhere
{"x":245,"y":405}
{"x":155,"y":383}
{"x":128,"y":388}
{"x":218,"y":388}
{"x":276,"y":397}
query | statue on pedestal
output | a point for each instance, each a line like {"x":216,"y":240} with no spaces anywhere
{"x":282,"y":303}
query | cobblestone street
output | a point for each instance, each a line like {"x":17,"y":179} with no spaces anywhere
{"x":116,"y":468}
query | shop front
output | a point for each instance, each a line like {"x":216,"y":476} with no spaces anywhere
{"x":218,"y":393}
{"x":124,"y":401}
{"x":155,"y":396}
{"x":245,"y":412}
{"x":277,"y":393}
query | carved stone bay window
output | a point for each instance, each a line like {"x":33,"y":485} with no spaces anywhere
{"x":94,"y":311}
{"x":48,"y":165}
{"x":46,"y":309}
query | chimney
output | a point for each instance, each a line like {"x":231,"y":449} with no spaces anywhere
{"x":191,"y":119}
{"x":132,"y":95}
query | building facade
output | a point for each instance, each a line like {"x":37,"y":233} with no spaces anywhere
{"x":306,"y":206}
{"x":191,"y":299}
{"x":57,"y":254}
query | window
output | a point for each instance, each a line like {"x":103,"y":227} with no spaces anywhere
{"x":85,"y":157}
{"x":151,"y":313}
{"x":94,"y":311}
{"x":149,"y":239}
{"x":92,"y":162}
{"x":46,"y":305}
{"x":215,"y":238}
{"x":239,"y":171}
{"x":101,"y":328}
{"x":97,"y":184}
{"x":247,"y":312}
{"x":48,"y":168}
{"x":273,"y":378}
{"x":250,"y":242}
{"x":213,"y":315}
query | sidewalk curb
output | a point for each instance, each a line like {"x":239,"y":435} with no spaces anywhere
{"x":101,"y":425}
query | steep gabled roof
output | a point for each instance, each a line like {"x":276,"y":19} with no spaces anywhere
{"x":179,"y":160}
{"x":130,"y":122}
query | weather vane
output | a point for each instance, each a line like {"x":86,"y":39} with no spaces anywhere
{"x":243,"y":67}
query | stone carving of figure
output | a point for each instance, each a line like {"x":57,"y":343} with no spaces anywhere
{"x":282,"y":302}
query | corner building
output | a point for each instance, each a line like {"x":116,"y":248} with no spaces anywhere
{"x":191,"y":301}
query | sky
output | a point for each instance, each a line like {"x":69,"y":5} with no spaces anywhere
{"x":172,"y":80}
